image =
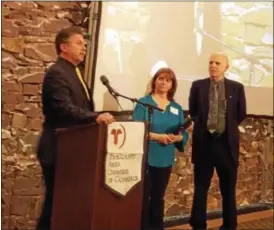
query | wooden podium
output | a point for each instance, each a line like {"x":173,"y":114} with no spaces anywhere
{"x":81,"y":198}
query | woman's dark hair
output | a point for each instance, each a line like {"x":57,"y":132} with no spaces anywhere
{"x":64,"y":35}
{"x":171,"y":92}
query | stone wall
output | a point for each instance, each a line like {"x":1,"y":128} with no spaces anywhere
{"x":28,"y":33}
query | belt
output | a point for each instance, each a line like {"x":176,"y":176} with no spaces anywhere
{"x":215,"y":134}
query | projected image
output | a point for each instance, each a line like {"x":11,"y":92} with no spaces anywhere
{"x":137,"y":33}
{"x":247,"y":34}
{"x":138,"y":38}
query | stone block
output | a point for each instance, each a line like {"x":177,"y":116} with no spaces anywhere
{"x":184,"y":182}
{"x":35,"y":124}
{"x":28,"y":186}
{"x":5,"y":120}
{"x":21,"y":222}
{"x":5,"y":71}
{"x":20,"y":5}
{"x":33,"y":69}
{"x":212,"y":202}
{"x":30,"y":89}
{"x":33,"y":53}
{"x":35,"y":13}
{"x":24,"y":61}
{"x":10,"y":86}
{"x":5,"y":203}
{"x":76,"y":17}
{"x":54,"y":25}
{"x":48,"y":50}
{"x":32,"y":170}
{"x":32,"y":30}
{"x":33,"y":78}
{"x":8,"y":61}
{"x":57,"y":6}
{"x":36,"y":211}
{"x":5,"y":11}
{"x":34,"y":99}
{"x":173,"y":181}
{"x":5,"y":220}
{"x":5,"y":134}
{"x":35,"y":39}
{"x":9,"y":29}
{"x":63,"y":14}
{"x":33,"y":112}
{"x":9,"y":97}
{"x":19,"y":120}
{"x":18,"y":14}
{"x":31,"y":138}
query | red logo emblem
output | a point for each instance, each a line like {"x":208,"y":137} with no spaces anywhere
{"x":119,"y":136}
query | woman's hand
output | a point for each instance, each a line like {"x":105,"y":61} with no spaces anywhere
{"x":164,"y":139}
{"x":175,"y":138}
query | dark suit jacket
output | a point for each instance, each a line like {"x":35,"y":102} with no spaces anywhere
{"x":198,"y":108}
{"x":65,"y":104}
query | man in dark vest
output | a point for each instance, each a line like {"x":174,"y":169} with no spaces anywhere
{"x":67,"y":101}
{"x":217,"y":106}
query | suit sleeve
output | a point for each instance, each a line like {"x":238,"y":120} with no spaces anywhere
{"x":193,"y":99}
{"x":181,"y":145}
{"x":57,"y":96}
{"x":241,"y":105}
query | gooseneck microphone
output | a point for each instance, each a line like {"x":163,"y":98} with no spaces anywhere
{"x":105,"y":82}
{"x":186,"y":124}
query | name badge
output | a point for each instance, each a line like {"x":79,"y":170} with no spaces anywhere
{"x":174,"y":110}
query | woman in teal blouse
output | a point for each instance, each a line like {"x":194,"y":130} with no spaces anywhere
{"x":163,"y":139}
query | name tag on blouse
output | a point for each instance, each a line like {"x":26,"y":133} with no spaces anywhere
{"x":174,"y":110}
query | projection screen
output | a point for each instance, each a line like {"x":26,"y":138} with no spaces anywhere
{"x":138,"y":38}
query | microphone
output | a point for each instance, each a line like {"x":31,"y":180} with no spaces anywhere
{"x":186,"y":124}
{"x":105,"y":82}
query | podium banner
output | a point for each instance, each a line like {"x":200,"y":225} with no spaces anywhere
{"x":125,"y":150}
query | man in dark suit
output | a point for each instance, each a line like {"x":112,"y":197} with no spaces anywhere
{"x":67,"y":101}
{"x":217,"y":106}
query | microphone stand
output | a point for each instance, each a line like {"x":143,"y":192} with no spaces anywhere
{"x":114,"y":95}
{"x":134,"y":100}
{"x":146,"y":198}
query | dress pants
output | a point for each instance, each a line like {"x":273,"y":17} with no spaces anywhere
{"x":218,"y":157}
{"x":45,"y":217}
{"x":153,"y":198}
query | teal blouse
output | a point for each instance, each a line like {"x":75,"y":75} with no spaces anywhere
{"x":169,"y":121}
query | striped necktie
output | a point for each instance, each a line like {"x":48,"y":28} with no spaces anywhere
{"x":82,"y":82}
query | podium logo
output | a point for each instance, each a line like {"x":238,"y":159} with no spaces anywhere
{"x":119,"y":136}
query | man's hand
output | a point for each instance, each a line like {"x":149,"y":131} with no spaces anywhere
{"x":105,"y":118}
